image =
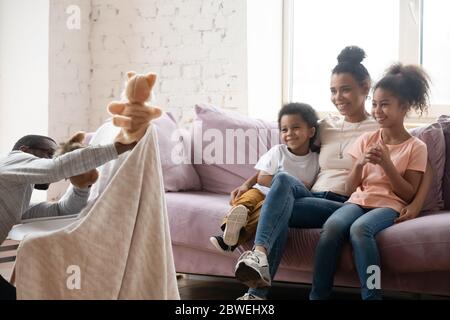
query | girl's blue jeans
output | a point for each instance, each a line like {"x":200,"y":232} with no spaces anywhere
{"x":360,"y":225}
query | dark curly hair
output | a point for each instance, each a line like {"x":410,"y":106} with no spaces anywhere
{"x":410,"y":84}
{"x":307,"y":113}
{"x":349,"y":61}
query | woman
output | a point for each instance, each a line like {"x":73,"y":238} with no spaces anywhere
{"x":388,"y":168}
{"x":288,"y":204}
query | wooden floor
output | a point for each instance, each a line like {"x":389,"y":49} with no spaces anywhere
{"x":215,"y":288}
{"x":194,"y":287}
{"x":8,"y":251}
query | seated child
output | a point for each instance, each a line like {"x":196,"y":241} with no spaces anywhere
{"x":298,"y":123}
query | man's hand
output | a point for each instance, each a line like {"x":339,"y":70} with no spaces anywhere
{"x":239,"y":191}
{"x":85,"y":180}
{"x":134,"y":121}
{"x":121,"y":148}
{"x":409,"y":212}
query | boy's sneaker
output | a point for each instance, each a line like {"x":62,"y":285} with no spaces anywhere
{"x":249,"y":296}
{"x":236,"y":220}
{"x":252,"y":269}
{"x":220,"y":245}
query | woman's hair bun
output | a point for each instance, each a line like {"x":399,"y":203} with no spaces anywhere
{"x":351,"y":54}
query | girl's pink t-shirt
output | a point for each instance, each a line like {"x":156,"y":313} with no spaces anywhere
{"x":375,"y":190}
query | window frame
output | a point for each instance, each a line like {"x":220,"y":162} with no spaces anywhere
{"x":410,"y":52}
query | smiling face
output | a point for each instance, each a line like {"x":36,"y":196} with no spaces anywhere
{"x":296,"y":133}
{"x":387,"y":109}
{"x":348,"y":96}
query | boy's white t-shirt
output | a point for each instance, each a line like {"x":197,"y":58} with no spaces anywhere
{"x":279,"y":158}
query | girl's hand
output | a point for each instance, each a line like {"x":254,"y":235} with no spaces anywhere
{"x":371,"y":155}
{"x":409,"y":212}
{"x":385,"y":156}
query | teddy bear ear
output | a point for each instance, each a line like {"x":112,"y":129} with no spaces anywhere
{"x":77,"y":137}
{"x":151,"y":79}
{"x":131,"y":74}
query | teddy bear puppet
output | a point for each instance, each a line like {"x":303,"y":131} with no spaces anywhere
{"x":133,"y":115}
{"x":84,"y":180}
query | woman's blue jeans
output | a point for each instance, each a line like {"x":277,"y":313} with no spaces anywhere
{"x":290,"y":204}
{"x":360,"y":225}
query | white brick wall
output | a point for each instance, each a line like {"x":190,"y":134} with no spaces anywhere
{"x":69,"y":75}
{"x":197,"y":47}
{"x":189,"y":43}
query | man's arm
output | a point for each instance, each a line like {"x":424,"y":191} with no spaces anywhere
{"x":25,"y":168}
{"x":72,"y":202}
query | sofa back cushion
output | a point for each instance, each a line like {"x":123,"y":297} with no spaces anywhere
{"x":433,"y":136}
{"x":445,"y":123}
{"x":227,"y":145}
{"x":179,"y":175}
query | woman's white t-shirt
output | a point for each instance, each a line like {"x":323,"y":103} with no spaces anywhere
{"x":280,"y":159}
{"x":335,"y":136}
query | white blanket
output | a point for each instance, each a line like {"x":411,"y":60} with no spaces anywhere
{"x":120,"y":248}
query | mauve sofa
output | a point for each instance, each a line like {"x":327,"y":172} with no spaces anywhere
{"x":415,"y":255}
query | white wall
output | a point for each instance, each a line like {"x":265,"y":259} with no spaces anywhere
{"x":198,"y":48}
{"x":23,"y":70}
{"x":69,"y":67}
{"x":264,"y":57}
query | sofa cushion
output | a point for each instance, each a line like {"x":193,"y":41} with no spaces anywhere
{"x":433,"y":136}
{"x":227,"y":145}
{"x":194,"y":217}
{"x":178,"y":173}
{"x":417,"y":245}
{"x":445,"y":122}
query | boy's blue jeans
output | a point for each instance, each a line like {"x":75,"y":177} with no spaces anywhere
{"x":360,"y":225}
{"x":290,"y":204}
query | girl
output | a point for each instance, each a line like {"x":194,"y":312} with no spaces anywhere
{"x":388,"y":168}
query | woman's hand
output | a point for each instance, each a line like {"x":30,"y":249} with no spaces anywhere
{"x":409,"y":212}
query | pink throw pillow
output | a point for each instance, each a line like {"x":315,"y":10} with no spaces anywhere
{"x":177,"y":176}
{"x":226,"y":146}
{"x":445,"y":123}
{"x":433,"y":136}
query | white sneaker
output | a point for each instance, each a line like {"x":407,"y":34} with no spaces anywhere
{"x":252,"y":269}
{"x":236,"y":220}
{"x":249,"y":296}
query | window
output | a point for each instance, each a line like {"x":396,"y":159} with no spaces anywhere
{"x":436,"y":49}
{"x":410,"y":31}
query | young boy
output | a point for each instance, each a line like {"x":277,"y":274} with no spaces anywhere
{"x":298,"y":129}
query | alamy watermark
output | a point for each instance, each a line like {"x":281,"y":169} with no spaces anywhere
{"x":374,"y":280}
{"x":226,"y":146}
{"x":73,"y":281}
{"x":73,"y":21}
